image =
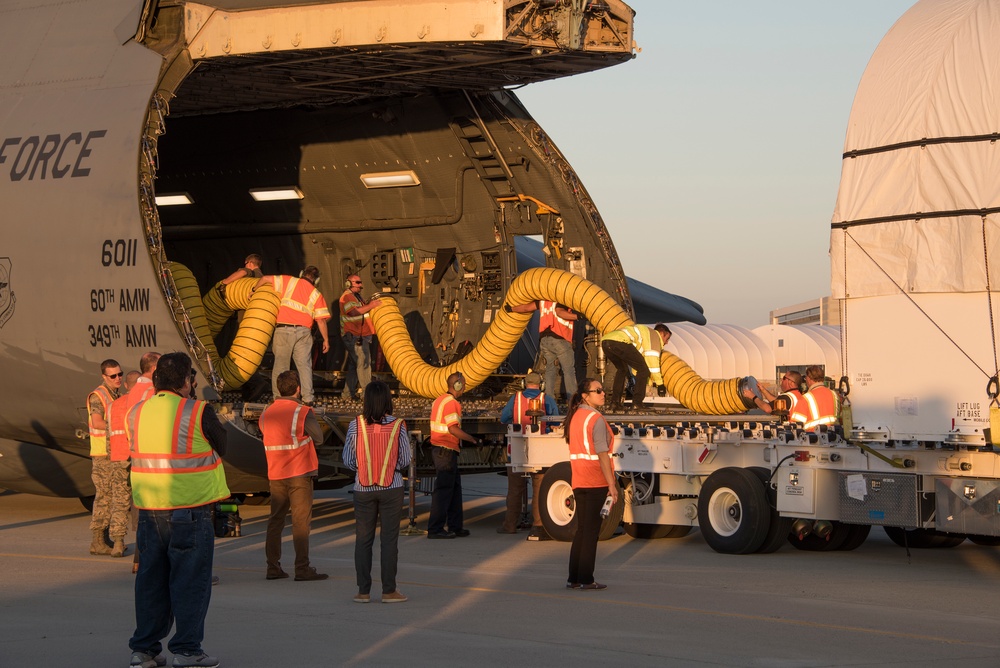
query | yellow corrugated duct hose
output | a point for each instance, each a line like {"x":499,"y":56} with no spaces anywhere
{"x":502,"y":334}
{"x":190,"y":296}
{"x":209,"y":314}
{"x":709,"y":397}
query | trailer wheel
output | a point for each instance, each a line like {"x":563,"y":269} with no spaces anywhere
{"x":856,"y":536}
{"x":985,"y":541}
{"x":558,"y":507}
{"x":88,"y":502}
{"x":733,"y":512}
{"x":922,"y":538}
{"x":778,"y":527}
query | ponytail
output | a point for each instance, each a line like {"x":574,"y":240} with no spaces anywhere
{"x":574,"y":403}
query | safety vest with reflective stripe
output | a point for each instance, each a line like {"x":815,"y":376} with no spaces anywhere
{"x":550,"y":320}
{"x":523,"y":404}
{"x":359,"y":325}
{"x":99,"y":437}
{"x":289,"y":450}
{"x":647,"y":341}
{"x":142,"y":390}
{"x":378,"y":452}
{"x":822,"y":404}
{"x":173,"y":464}
{"x":798,"y":407}
{"x":584,"y":461}
{"x":117,"y":438}
{"x":445,"y":412}
{"x":301,"y":302}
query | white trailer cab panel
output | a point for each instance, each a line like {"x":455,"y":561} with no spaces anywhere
{"x":917,"y":382}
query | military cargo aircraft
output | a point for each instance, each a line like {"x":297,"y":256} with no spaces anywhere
{"x":146,"y":148}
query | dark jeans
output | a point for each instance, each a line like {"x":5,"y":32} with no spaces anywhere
{"x":370,"y":507}
{"x":625,"y":356}
{"x":517,"y":485}
{"x":583,"y":554}
{"x":174,"y":579}
{"x":295,"y":494}
{"x":446,"y":501}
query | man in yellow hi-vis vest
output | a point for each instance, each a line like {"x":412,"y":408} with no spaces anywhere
{"x":177,"y":476}
{"x":104,"y":472}
{"x":637,"y":347}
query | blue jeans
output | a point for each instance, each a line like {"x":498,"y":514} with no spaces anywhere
{"x":385,"y":506}
{"x":359,"y":352}
{"x":291,"y":343}
{"x":174,"y":579}
{"x":446,"y":500}
{"x":553,"y":349}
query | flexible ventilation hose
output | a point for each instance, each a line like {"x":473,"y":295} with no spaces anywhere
{"x":709,"y":397}
{"x":208,"y":314}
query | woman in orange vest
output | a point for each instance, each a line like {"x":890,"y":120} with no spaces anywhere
{"x":377,"y":446}
{"x":590,"y":439}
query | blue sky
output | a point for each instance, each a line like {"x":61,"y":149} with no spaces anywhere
{"x":714,"y":156}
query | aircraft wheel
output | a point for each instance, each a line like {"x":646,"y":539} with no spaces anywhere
{"x":558,"y":507}
{"x":779,"y":527}
{"x":733,"y":512}
{"x":985,"y":541}
{"x":88,"y":502}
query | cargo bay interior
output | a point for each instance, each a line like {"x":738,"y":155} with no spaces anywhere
{"x":406,"y":164}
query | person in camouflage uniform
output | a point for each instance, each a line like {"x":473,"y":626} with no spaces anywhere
{"x":105,"y":473}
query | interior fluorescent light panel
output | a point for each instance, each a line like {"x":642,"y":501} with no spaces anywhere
{"x":390,"y":179}
{"x":276,"y":194}
{"x":173,"y":199}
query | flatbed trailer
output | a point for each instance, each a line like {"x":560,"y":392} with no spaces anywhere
{"x":752,"y":484}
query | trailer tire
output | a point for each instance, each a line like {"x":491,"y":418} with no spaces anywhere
{"x":733,"y":512}
{"x":856,"y":536}
{"x":922,"y":538}
{"x":779,"y":527}
{"x":88,"y":502}
{"x":985,"y":541}
{"x":557,"y":508}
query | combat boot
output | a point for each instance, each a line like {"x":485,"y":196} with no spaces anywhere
{"x":97,"y":544}
{"x":119,"y":549}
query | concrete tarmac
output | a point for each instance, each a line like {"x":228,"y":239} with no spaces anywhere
{"x":498,"y":600}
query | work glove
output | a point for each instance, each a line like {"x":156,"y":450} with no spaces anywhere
{"x":507,"y":308}
{"x":661,"y":390}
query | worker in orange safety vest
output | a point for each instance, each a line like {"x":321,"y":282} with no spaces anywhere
{"x":291,"y":432}
{"x":301,"y":305}
{"x":822,"y":401}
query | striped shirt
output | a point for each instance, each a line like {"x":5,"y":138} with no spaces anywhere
{"x":351,"y":455}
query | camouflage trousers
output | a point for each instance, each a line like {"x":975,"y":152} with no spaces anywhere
{"x":113,"y":498}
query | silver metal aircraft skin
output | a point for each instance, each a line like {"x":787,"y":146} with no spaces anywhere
{"x":105,"y":104}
